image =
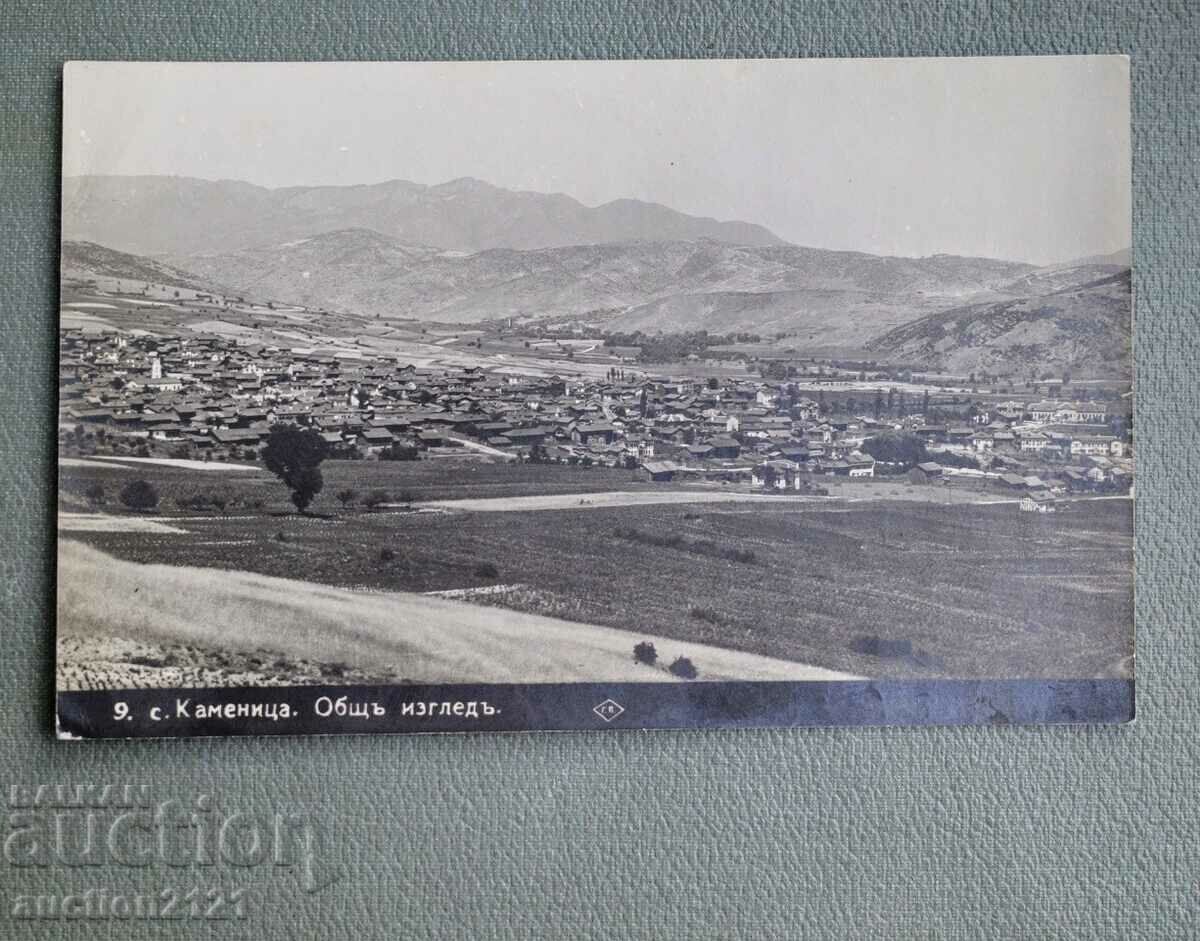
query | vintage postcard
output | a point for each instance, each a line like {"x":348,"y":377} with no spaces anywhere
{"x":593,"y":395}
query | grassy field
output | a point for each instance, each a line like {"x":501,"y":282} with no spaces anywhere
{"x":127,"y":625}
{"x":888,"y":588}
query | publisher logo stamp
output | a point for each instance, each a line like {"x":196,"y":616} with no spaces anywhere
{"x":608,"y":710}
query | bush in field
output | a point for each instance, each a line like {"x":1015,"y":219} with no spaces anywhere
{"x":294,"y":455}
{"x":347,"y":496}
{"x":139,"y":495}
{"x":399,"y":452}
{"x":706,"y":614}
{"x":281,"y":536}
{"x":696,"y":546}
{"x":95,"y":494}
{"x":376,"y":499}
{"x":645,"y":653}
{"x":884,"y":647}
{"x":486,"y":570}
{"x":218,"y":502}
{"x":683,"y":668}
{"x":143,"y":450}
{"x":406,"y":497}
{"x":387,"y":555}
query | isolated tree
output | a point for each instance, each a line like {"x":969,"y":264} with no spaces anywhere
{"x":347,"y":496}
{"x":294,"y":455}
{"x":139,"y":495}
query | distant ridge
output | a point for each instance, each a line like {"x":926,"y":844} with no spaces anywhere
{"x":647,"y":285}
{"x":156,"y":215}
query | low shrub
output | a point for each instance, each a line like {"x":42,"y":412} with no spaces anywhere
{"x":139,"y":495}
{"x":644,"y":652}
{"x":704,"y":547}
{"x":486,"y":570}
{"x":683,"y":668}
{"x":706,"y":614}
{"x":387,"y":555}
{"x":376,"y":499}
{"x":875,"y":646}
{"x":399,"y":452}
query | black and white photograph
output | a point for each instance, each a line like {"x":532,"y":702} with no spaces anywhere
{"x":594,"y":394}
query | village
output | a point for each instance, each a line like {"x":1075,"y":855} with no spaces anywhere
{"x":207,"y":397}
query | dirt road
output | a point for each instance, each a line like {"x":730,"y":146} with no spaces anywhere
{"x":585,"y":501}
{"x":188,"y":464}
{"x":107,"y":523}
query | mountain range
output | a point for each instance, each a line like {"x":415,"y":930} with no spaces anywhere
{"x":153,"y":215}
{"x":466,"y":252}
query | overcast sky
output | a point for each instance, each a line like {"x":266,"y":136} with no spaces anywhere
{"x":1022,"y":158}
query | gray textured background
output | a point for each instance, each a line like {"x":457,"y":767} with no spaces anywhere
{"x":954,"y":833}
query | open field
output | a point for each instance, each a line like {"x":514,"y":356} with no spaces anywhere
{"x":405,"y":637}
{"x":443,"y":479}
{"x":874,"y":587}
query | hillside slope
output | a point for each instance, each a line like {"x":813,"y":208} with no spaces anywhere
{"x":1083,"y":329}
{"x":417,"y":637}
{"x":85,"y":260}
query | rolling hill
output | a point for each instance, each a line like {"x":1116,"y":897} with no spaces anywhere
{"x":84,"y":260}
{"x":1085,"y":328}
{"x":659,"y":285}
{"x":153,"y":215}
